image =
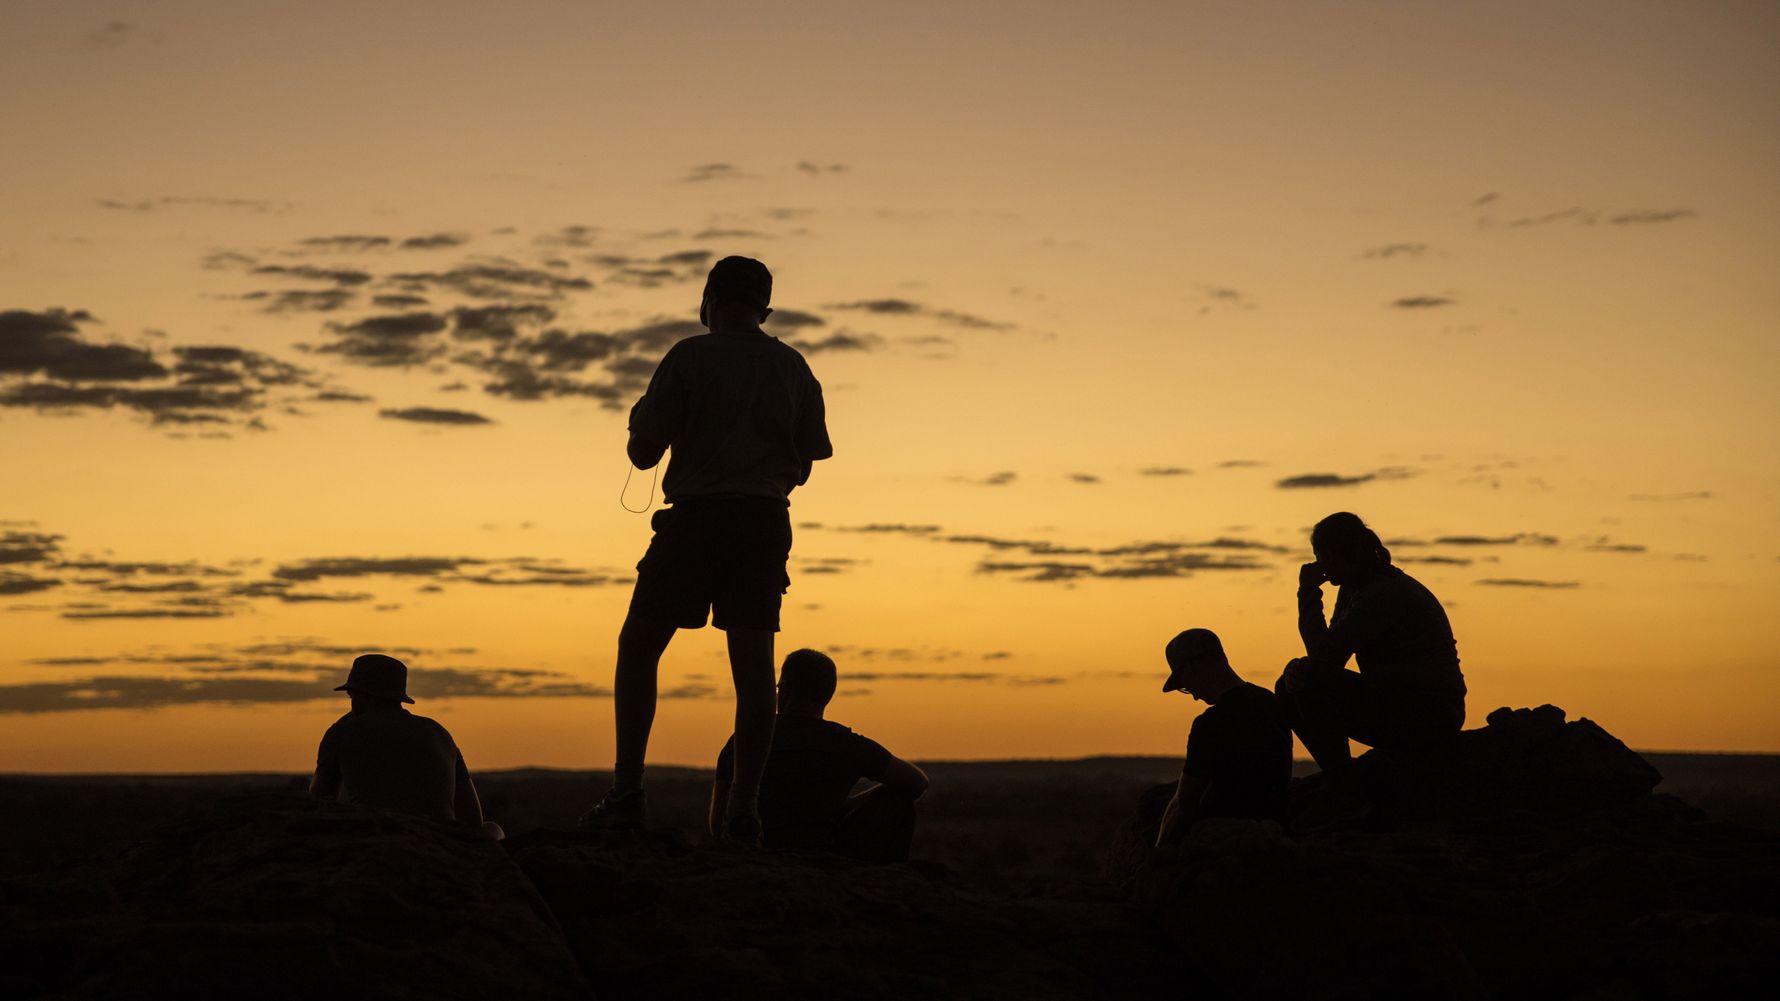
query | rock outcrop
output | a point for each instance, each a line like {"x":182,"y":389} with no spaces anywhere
{"x":1527,"y":859}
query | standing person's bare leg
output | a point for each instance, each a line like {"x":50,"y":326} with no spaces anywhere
{"x":640,"y":646}
{"x":751,"y":665}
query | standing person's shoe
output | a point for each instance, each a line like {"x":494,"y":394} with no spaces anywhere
{"x":619,"y":811}
{"x":743,"y":831}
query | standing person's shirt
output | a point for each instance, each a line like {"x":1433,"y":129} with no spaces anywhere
{"x":1396,"y":631}
{"x":810,"y":771}
{"x":392,"y":760}
{"x":1243,"y":749}
{"x":742,"y":413}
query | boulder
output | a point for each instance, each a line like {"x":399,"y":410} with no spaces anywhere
{"x":281,"y":896}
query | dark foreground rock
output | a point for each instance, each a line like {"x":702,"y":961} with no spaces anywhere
{"x":275,"y":896}
{"x":1529,"y":859}
{"x":1526,"y":859}
{"x":657,"y":919}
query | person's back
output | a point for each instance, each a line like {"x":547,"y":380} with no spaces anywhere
{"x":392,"y":759}
{"x":1243,"y":748}
{"x":1400,"y":634}
{"x":810,"y":772}
{"x":744,"y":414}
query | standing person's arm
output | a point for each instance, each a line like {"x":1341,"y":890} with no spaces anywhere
{"x":658,"y":416}
{"x":905,"y":778}
{"x":812,"y":429}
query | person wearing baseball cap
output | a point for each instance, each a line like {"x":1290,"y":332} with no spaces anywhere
{"x":382,"y":756}
{"x":1239,"y":751}
{"x":743,"y":415}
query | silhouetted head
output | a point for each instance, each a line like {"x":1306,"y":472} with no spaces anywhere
{"x":1346,"y":549}
{"x":806,"y":681}
{"x":737,"y":294}
{"x":377,"y":678}
{"x":1198,"y":666}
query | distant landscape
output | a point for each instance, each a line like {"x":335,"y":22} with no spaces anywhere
{"x":1008,"y":826}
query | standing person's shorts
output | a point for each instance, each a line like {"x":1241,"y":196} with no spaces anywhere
{"x":719,"y":556}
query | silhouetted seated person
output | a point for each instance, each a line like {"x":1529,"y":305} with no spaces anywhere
{"x":811,"y":769}
{"x":381,"y":755}
{"x":1408,"y":694}
{"x":1239,"y":752}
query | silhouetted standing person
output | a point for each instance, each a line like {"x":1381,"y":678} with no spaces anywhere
{"x":814,"y":764}
{"x":381,"y":755}
{"x":1408,"y":693}
{"x":1239,"y":752}
{"x":743,"y":415}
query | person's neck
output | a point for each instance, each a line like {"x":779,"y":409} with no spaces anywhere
{"x":734,"y":328}
{"x":1229,"y":685}
{"x":802,"y":711}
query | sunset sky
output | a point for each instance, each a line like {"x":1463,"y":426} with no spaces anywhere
{"x":319,"y":323}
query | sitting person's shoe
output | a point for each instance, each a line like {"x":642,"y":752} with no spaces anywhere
{"x":619,"y":811}
{"x":743,"y":831}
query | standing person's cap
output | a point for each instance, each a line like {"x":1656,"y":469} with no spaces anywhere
{"x":378,"y":675}
{"x":741,"y":278}
{"x":1187,"y":646}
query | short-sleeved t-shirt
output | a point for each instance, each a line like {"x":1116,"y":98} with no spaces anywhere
{"x":1397,"y":632}
{"x":810,"y":771}
{"x":742,"y":413}
{"x":392,"y":760}
{"x":1242,"y":747}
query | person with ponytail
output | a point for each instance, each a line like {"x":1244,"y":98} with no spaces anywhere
{"x":1408,"y":693}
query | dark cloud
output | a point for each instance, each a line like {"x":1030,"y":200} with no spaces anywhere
{"x":350,"y":241}
{"x":145,"y":613}
{"x":255,"y":205}
{"x":1580,"y":216}
{"x":28,"y":547}
{"x":1642,"y":216}
{"x":50,"y":343}
{"x":905,"y":307}
{"x":1164,"y":471}
{"x":838,"y":341}
{"x":435,"y":415}
{"x":311,"y":273}
{"x":1485,"y":199}
{"x":1523,"y":582}
{"x":792,"y":319}
{"x":393,"y":340}
{"x":112,"y":34}
{"x":1317,"y":480}
{"x":1607,"y":546}
{"x":398,"y":300}
{"x":731,"y":234}
{"x":435,"y":241}
{"x":1083,"y":478}
{"x":549,"y":364}
{"x":1240,"y":464}
{"x":713,"y":172}
{"x":324,"y":300}
{"x":1390,"y":250}
{"x":820,"y":169}
{"x":1455,"y":561}
{"x":1664,"y":498}
{"x":115,"y":568}
{"x":339,"y":396}
{"x":1178,"y":564}
{"x":1222,"y":297}
{"x":490,"y":281}
{"x":1421,"y":302}
{"x":12,"y":582}
{"x":1000,"y":479}
{"x":1522,"y":538}
{"x":497,"y":323}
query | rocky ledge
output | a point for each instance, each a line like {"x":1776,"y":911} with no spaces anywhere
{"x":1527,"y":859}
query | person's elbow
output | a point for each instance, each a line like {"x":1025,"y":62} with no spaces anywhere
{"x":644,"y":454}
{"x":906,"y":779}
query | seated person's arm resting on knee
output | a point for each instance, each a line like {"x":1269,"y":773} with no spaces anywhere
{"x":465,"y":802}
{"x":325,"y":784}
{"x":904,"y":778}
{"x":1183,"y":810}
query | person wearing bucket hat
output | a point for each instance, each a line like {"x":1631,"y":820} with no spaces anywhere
{"x":744,"y":417}
{"x":1239,"y":751}
{"x":382,"y":756}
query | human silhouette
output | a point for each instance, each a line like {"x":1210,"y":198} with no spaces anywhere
{"x":381,"y":755}
{"x":743,"y":416}
{"x":1408,"y":693}
{"x":804,"y":794}
{"x":1239,"y":752}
